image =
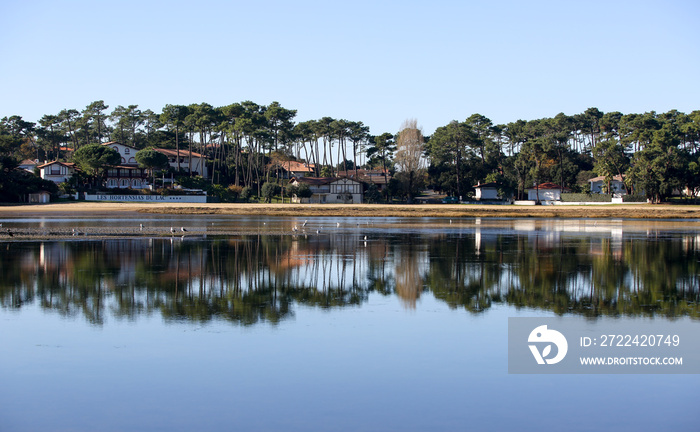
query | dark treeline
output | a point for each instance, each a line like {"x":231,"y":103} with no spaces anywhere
{"x":658,"y":153}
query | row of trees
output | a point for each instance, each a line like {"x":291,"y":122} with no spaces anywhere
{"x":656,"y":153}
{"x":245,"y":143}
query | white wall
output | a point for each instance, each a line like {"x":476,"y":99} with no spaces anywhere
{"x":545,"y":194}
{"x":487,"y":194}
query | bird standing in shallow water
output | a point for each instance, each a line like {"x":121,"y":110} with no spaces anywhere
{"x":183,"y":229}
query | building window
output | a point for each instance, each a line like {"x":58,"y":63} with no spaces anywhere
{"x":126,"y":150}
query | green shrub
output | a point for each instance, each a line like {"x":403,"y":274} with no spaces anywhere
{"x":304,"y":191}
{"x":269,"y":190}
{"x":634,"y":198}
{"x":583,"y":197}
{"x":372,"y":195}
{"x":246,"y":193}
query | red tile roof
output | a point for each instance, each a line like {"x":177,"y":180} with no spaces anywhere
{"x":183,"y":153}
{"x":378,"y":176}
{"x":321,"y":180}
{"x":602,"y":178}
{"x":548,"y":186}
{"x":316,"y":181}
{"x":68,"y":164}
{"x":297,"y":167}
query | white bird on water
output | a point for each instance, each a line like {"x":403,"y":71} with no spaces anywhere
{"x":172,"y":230}
{"x":304,"y":224}
{"x":337,"y":224}
{"x":141,"y":227}
{"x":183,"y":229}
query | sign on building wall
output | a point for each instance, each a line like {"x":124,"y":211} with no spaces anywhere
{"x":148,"y":198}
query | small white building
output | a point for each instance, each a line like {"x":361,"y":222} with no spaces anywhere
{"x":617,"y":185}
{"x":330,"y":190}
{"x":545,"y":192}
{"x":57,"y":172}
{"x":486,"y":191}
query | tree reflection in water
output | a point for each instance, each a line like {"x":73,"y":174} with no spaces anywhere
{"x":259,"y":278}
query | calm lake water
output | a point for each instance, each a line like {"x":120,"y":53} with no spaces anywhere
{"x":382,"y":324}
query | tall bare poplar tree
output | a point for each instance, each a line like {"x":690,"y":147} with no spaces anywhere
{"x":409,"y":153}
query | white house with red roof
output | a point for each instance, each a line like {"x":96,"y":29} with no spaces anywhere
{"x":57,"y":172}
{"x":545,"y":192}
{"x":28,"y":165}
{"x":330,"y":190}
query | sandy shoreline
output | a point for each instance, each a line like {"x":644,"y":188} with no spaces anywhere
{"x":637,"y":211}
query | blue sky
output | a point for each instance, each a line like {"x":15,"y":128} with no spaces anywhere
{"x":379,"y":62}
